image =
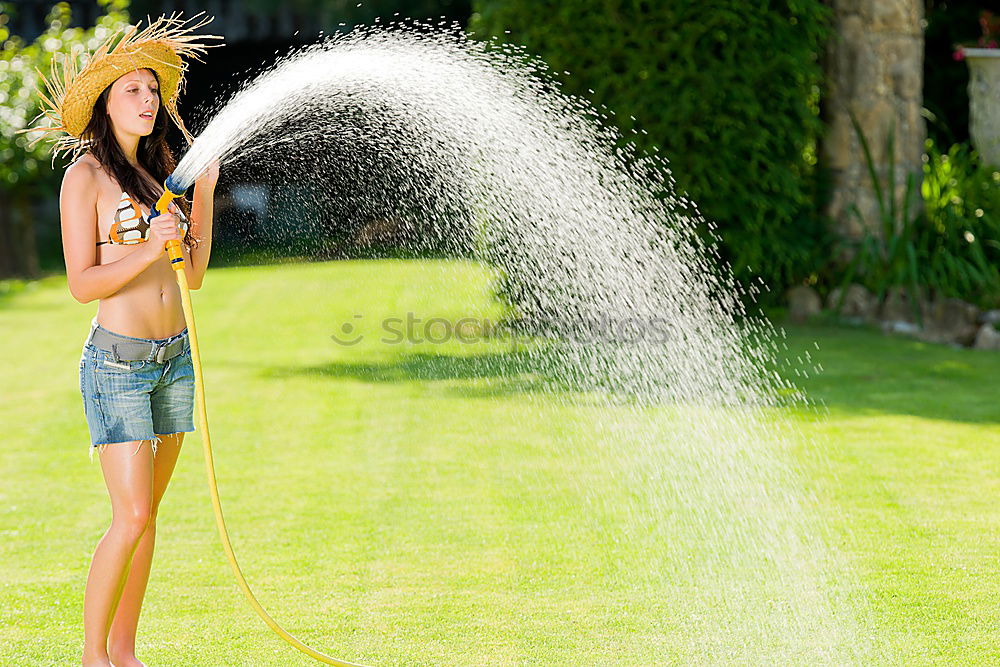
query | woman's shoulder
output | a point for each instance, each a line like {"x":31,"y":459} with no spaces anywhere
{"x":87,"y":173}
{"x":86,"y":170}
{"x":82,"y":175}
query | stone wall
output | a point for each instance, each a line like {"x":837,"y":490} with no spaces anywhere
{"x":874,"y":67}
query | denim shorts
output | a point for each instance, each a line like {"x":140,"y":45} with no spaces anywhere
{"x":125,"y":401}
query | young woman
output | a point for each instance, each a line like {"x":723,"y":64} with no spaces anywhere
{"x":136,"y":375}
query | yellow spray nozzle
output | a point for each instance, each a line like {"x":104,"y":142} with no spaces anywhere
{"x":173,"y":248}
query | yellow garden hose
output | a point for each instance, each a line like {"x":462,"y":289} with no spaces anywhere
{"x":173,"y":248}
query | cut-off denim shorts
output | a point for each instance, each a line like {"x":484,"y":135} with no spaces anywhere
{"x":140,"y":400}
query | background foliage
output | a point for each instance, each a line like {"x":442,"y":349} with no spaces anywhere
{"x":729,"y":94}
{"x":948,"y":248}
{"x":26,"y":174}
{"x":960,"y":243}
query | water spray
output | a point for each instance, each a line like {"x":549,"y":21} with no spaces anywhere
{"x":582,"y":229}
{"x":174,"y":187}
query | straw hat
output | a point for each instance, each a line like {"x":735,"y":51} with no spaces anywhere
{"x":73,"y":89}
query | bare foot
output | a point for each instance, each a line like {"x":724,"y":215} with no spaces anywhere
{"x":128,"y":660}
{"x":99,"y":661}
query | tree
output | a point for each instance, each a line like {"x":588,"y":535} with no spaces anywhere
{"x":27,"y":172}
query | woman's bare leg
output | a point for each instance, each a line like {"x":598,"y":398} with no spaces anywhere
{"x":121,"y":638}
{"x":128,"y":474}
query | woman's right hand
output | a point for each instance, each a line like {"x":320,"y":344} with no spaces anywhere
{"x":164,"y":227}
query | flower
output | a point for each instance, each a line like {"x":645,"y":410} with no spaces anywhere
{"x":990,"y":25}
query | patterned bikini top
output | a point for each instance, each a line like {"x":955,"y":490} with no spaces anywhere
{"x":130,"y":226}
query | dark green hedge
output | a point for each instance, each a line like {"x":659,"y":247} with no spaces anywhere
{"x":728,"y":89}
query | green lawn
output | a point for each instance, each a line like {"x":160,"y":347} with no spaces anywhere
{"x":411,"y":504}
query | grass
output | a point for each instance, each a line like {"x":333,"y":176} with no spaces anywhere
{"x":389,"y":505}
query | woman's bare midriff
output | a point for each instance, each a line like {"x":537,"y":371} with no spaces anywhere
{"x":150,"y":305}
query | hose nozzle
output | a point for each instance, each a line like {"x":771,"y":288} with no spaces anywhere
{"x":171,"y":190}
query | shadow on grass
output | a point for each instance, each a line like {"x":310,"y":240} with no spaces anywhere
{"x":863,"y":373}
{"x":508,"y":373}
{"x":494,"y":375}
{"x":866,"y":372}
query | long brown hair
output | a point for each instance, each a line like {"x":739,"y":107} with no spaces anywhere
{"x":153,"y":153}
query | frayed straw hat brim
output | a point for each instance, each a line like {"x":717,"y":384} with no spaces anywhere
{"x":74,"y":84}
{"x":78,"y":106}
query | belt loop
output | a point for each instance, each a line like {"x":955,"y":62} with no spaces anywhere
{"x":114,"y":351}
{"x":161,"y":352}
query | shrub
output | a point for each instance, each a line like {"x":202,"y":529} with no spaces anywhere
{"x":730,"y":95}
{"x":951,"y":248}
{"x":961,"y":240}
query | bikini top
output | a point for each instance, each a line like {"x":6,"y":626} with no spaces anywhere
{"x":130,"y":226}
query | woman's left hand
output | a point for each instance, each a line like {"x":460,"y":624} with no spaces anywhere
{"x":210,"y":176}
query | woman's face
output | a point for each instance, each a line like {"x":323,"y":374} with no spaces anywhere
{"x":134,"y":101}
